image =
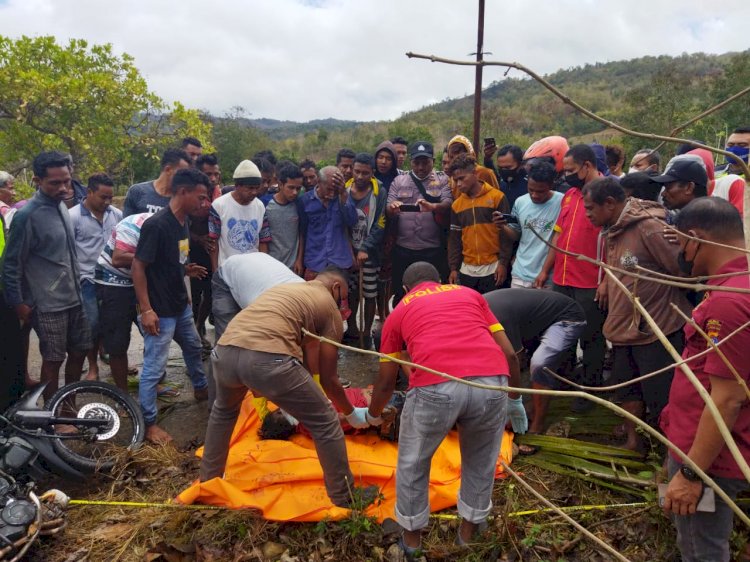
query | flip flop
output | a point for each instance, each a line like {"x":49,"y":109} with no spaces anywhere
{"x":527,"y":450}
{"x":167,"y":392}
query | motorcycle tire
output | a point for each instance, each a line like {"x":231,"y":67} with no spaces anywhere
{"x":125,"y":429}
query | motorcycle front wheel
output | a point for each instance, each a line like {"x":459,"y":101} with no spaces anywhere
{"x":95,"y":448}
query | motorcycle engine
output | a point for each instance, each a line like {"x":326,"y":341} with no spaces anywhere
{"x":17,"y":513}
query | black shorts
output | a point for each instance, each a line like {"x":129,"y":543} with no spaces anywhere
{"x":116,"y":315}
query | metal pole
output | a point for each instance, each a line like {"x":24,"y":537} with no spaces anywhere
{"x":478,"y":80}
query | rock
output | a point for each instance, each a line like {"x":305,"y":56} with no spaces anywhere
{"x":272,"y":550}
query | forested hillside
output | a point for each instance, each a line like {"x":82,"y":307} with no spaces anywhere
{"x":652,"y":94}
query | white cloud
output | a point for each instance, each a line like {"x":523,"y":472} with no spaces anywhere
{"x":308,"y":59}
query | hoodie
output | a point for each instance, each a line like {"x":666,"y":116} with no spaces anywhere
{"x":637,"y":239}
{"x":387,"y":178}
{"x":484,"y":174}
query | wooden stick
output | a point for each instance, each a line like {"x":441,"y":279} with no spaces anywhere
{"x":704,"y":394}
{"x":647,"y":375}
{"x":566,"y":394}
{"x":562,"y":514}
{"x":361,"y":308}
{"x":713,"y":347}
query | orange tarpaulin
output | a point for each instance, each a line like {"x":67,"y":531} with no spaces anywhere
{"x":283,"y":479}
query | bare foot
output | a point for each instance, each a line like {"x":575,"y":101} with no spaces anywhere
{"x":156,"y":435}
{"x":91,"y":376}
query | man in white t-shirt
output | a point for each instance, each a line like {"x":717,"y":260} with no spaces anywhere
{"x":538,"y":210}
{"x":236,"y":219}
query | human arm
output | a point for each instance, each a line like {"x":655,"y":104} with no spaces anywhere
{"x":16,"y":255}
{"x":264,"y":238}
{"x":549,"y":263}
{"x":602,"y":296}
{"x":383,"y":387}
{"x":299,"y":264}
{"x":329,"y":380}
{"x":506,"y":246}
{"x":373,"y":244}
{"x":214,"y":233}
{"x":516,"y":412}
{"x":149,"y":318}
{"x":682,"y":495}
{"x":455,"y":248}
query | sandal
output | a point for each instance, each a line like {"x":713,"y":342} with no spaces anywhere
{"x":167,"y":392}
{"x":526,"y":450}
{"x":410,"y":553}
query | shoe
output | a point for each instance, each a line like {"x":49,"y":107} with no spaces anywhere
{"x":581,"y":406}
{"x":367,"y":342}
{"x":345,"y":383}
{"x":410,"y":553}
{"x":200,"y":394}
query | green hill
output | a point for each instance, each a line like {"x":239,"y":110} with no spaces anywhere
{"x":650,"y":94}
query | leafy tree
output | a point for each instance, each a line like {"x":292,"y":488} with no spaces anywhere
{"x":84,"y":100}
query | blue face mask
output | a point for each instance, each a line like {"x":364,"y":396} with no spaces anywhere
{"x":741,"y":151}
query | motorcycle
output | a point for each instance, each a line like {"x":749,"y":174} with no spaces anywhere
{"x":82,"y":429}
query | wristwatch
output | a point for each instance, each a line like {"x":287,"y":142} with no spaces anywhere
{"x":689,"y":473}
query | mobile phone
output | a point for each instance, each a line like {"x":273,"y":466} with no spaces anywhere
{"x":409,"y":208}
{"x":508,"y":218}
{"x":707,"y":503}
{"x":489,"y":141}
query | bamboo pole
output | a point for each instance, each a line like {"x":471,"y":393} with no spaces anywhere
{"x":575,"y":394}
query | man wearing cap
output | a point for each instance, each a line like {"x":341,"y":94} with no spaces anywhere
{"x":420,"y":233}
{"x":684,"y":179}
{"x":236,"y":219}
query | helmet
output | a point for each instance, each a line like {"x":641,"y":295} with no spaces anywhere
{"x":552,"y":147}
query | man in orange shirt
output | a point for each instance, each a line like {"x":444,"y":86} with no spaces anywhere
{"x":572,"y":277}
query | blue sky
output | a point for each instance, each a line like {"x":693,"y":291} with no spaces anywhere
{"x":309,"y":59}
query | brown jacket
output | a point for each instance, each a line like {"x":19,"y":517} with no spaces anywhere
{"x":638,"y":238}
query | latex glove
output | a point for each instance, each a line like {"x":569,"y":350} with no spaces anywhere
{"x":358,"y":418}
{"x":516,"y":413}
{"x":371,"y":420}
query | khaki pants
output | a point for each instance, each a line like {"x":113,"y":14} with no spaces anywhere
{"x":283,"y":380}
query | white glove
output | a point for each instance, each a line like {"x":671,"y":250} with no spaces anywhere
{"x":358,"y":418}
{"x":371,"y":420}
{"x":516,"y":413}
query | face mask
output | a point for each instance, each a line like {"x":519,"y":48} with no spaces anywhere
{"x":686,"y":267}
{"x":740,"y":151}
{"x":509,"y":175}
{"x":574,"y":181}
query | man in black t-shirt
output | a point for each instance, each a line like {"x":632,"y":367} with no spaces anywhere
{"x":159,"y":269}
{"x":554,"y":319}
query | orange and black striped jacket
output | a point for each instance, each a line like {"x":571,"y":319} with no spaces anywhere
{"x":474,"y":239}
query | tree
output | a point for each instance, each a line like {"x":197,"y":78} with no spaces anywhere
{"x":236,"y":140}
{"x":84,"y":100}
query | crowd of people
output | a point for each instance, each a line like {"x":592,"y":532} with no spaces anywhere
{"x":463,"y":268}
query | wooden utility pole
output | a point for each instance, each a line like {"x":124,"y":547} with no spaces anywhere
{"x":478,"y":79}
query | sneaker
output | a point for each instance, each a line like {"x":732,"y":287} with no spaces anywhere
{"x":200,"y":394}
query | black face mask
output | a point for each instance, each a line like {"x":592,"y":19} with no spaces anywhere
{"x":574,"y":181}
{"x":509,"y":175}
{"x":685,"y":265}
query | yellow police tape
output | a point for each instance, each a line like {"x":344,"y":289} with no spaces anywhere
{"x":145,"y":505}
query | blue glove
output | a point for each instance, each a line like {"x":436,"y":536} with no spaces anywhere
{"x":371,"y":420}
{"x":358,"y":418}
{"x":516,"y":413}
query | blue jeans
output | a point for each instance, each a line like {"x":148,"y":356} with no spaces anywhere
{"x":555,"y":344}
{"x":429,"y":414}
{"x":90,"y":306}
{"x":704,"y":537}
{"x":156,"y":353}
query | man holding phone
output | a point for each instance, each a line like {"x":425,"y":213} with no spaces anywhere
{"x":686,"y":420}
{"x":420,"y":235}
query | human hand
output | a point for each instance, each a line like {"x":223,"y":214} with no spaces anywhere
{"x":489,"y":150}
{"x":208,"y":244}
{"x":357,"y":418}
{"x":373,"y":420}
{"x":150,"y":322}
{"x":298,"y":268}
{"x":196,"y":271}
{"x":501,"y":274}
{"x":453,"y":277}
{"x":394,"y":208}
{"x":425,"y":206}
{"x":682,"y":495}
{"x":601,"y":296}
{"x":498,"y":220}
{"x":23,"y":311}
{"x":362,"y":257}
{"x":541,"y":280}
{"x":516,"y":413}
{"x":670,"y":235}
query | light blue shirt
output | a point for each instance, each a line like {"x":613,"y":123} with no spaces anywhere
{"x":542,"y":218}
{"x":91,"y":236}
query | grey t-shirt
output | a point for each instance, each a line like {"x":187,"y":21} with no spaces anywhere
{"x":249,"y":275}
{"x":359,"y":230}
{"x":143,"y":198}
{"x":283,"y":223}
